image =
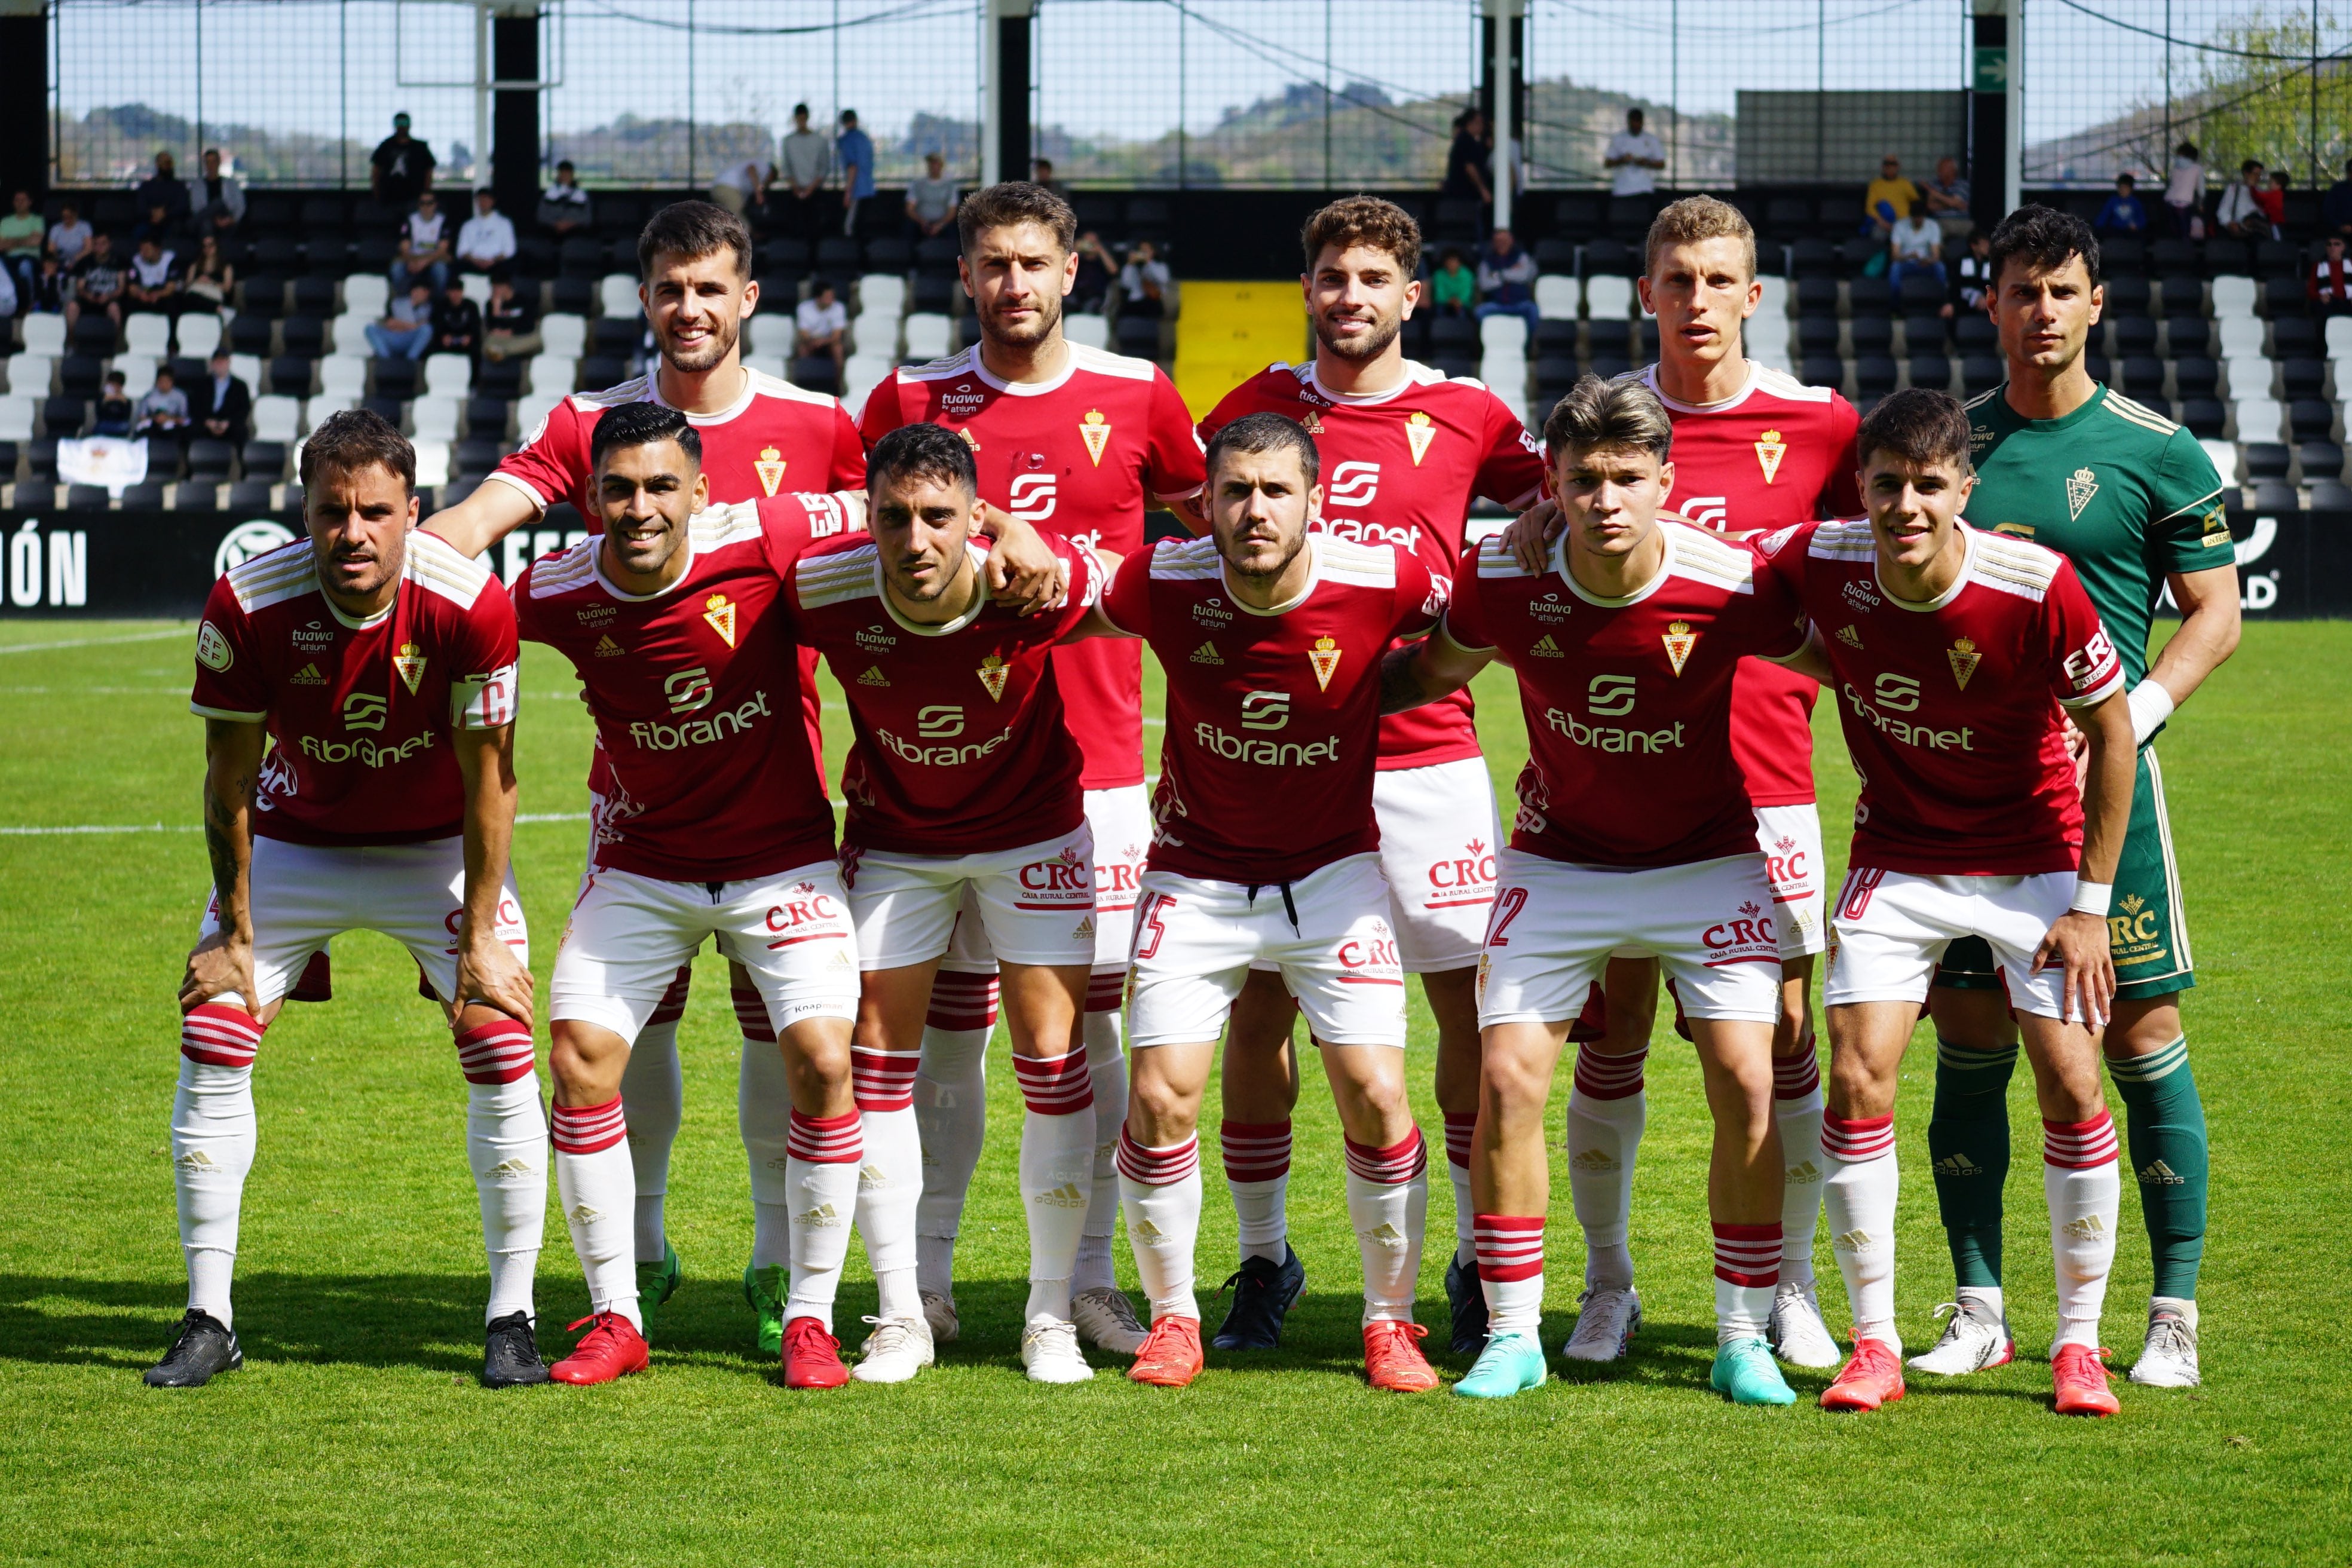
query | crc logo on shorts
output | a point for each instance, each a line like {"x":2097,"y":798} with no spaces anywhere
{"x":364,"y":710}
{"x":1032,"y":497}
{"x":1786,"y":863}
{"x":807,"y":913}
{"x":1463,"y":881}
{"x":689,"y":690}
{"x":1609,"y":696}
{"x":942,"y":722}
{"x":1370,"y":960}
{"x":1266,"y":710}
{"x":1062,"y":882}
{"x":1748,"y":935}
{"x":1352,"y":485}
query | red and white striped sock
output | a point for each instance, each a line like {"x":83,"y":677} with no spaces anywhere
{"x":1057,"y":1173}
{"x":1159,"y":1189}
{"x":1747,"y":1268}
{"x":1859,"y":1185}
{"x":821,"y":1169}
{"x":1257,"y":1175}
{"x":594,"y":1181}
{"x":1388,"y":1205}
{"x":506,"y":1144}
{"x":1107,"y":1067}
{"x":1459,"y":1127}
{"x":214,"y":1131}
{"x":1607,"y":1110}
{"x":951,"y":1112}
{"x":1510,"y":1270}
{"x":1796,"y":1108}
{"x":890,"y":1175}
{"x":653,"y":1093}
{"x":2082,"y":1184}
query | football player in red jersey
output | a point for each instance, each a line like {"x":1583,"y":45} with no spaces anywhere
{"x":1754,"y":450}
{"x":382,"y":664}
{"x":1956,"y":658}
{"x":1069,"y":437}
{"x":1634,"y":832}
{"x":1267,"y":850}
{"x":1405,"y":450}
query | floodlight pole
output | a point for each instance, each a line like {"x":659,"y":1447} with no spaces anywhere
{"x":1503,"y":72}
{"x":1004,"y":151}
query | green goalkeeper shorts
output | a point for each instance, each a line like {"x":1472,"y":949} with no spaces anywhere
{"x":2147,"y":931}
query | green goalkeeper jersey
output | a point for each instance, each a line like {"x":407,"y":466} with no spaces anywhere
{"x":2123,"y":492}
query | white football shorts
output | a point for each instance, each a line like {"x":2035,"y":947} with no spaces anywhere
{"x":1790,"y":838}
{"x":1035,"y":904}
{"x":629,"y":934}
{"x":1555,"y":926}
{"x":1890,"y":928}
{"x":1328,"y":934}
{"x":1119,"y":820}
{"x":305,"y":895}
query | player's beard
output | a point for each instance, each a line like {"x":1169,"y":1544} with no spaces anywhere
{"x":1265,"y":574}
{"x":1370,"y":346}
{"x":1029,"y":334}
{"x":724,"y":330}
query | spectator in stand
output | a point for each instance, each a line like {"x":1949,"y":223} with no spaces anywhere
{"x":804,"y":165}
{"x":1041,"y":172}
{"x":1633,"y":159}
{"x":1947,"y":201}
{"x":163,"y":189}
{"x":2329,"y":287}
{"x":114,"y":411}
{"x":1976,"y":272}
{"x":2335,"y":206}
{"x":2125,"y":213}
{"x":400,"y":170}
{"x":1091,"y":294}
{"x":153,"y":285}
{"x":2271,"y":199}
{"x":223,"y":407}
{"x":406,"y":330}
{"x":162,"y":412}
{"x":509,"y":326}
{"x":931,"y":198}
{"x":2184,"y":190}
{"x":424,"y":246}
{"x":1143,"y":282}
{"x":53,"y":288}
{"x":215,"y":200}
{"x":20,"y":245}
{"x":157,"y":224}
{"x":211,"y":280}
{"x":564,"y":209}
{"x":456,"y":322}
{"x":8,"y":300}
{"x":2240,"y":211}
{"x":68,"y":237}
{"x":1453,"y":288}
{"x":854,"y":150}
{"x":487,"y":243}
{"x":1507,"y":280}
{"x":1465,"y":162}
{"x":1890,"y":196}
{"x":98,"y":279}
{"x":741,"y":187}
{"x":1914,"y":248}
{"x":822,"y":325}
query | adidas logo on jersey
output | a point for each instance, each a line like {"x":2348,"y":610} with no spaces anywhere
{"x":873,"y":677}
{"x":1206,"y":654}
{"x":2158,"y":1175}
{"x":824,"y":1216}
{"x":1957,"y":1164}
{"x":1065,"y":1196}
{"x":607,"y":648}
{"x":1593,"y":1160}
{"x":1850,"y":636}
{"x":1803,"y":1174}
{"x":1547,"y":649}
{"x":2087,"y":1228}
{"x":307,"y":676}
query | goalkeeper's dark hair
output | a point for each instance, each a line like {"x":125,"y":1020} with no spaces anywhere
{"x":643,"y":425}
{"x":2043,"y":237}
{"x":1920,"y":425}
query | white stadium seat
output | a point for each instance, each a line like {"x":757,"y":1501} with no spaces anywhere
{"x":534,"y":408}
{"x":30,"y":374}
{"x":2339,"y":337}
{"x":2232,"y":297}
{"x":277,"y":417}
{"x":44,"y":334}
{"x":198,"y":335}
{"x":246,"y":368}
{"x":884,"y":291}
{"x":1503,"y":372}
{"x":1776,"y":295}
{"x":550,"y":375}
{"x":563,"y":334}
{"x":138,"y":374}
{"x":448,"y":375}
{"x":1500,"y":334}
{"x":431,"y":462}
{"x":1555,"y":297}
{"x":2259,"y":419}
{"x":1091,"y":330}
{"x":476,"y":286}
{"x":2241,"y":335}
{"x":873,"y":332}
{"x":766,"y":364}
{"x":365,"y":295}
{"x":15,"y":417}
{"x":927,"y":335}
{"x":342,"y":376}
{"x":316,"y":411}
{"x":1609,"y":299}
{"x":617,"y":295}
{"x":2223,"y":455}
{"x":347,"y":336}
{"x":147,"y":333}
{"x":434,"y":419}
{"x":860,"y":376}
{"x":2250,"y":375}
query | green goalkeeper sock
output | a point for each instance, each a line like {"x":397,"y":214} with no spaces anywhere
{"x":2164,"y":1121}
{"x":1968,"y":1144}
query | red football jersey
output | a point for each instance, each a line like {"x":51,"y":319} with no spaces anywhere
{"x":358,"y":712}
{"x":1272,"y":715}
{"x":1629,"y":701}
{"x":1952,"y":709}
{"x":709,"y":777}
{"x":961,"y":746}
{"x":1080,"y":455}
{"x":1401,"y":468}
{"x":1776,"y":452}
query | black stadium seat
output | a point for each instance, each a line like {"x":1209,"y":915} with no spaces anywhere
{"x":1138,"y":336}
{"x":209,"y":459}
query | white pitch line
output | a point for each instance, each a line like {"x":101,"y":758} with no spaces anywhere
{"x":93,"y":642}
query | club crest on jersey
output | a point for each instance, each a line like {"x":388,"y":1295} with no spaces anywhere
{"x":1324,"y":657}
{"x":2081,"y":485}
{"x":1096,"y":433}
{"x":1770,"y":450}
{"x":719,"y":611}
{"x":993,"y":674}
{"x":1850,"y":636}
{"x":1207,"y":654}
{"x":1420,"y":430}
{"x":1679,"y":639}
{"x":771,"y":470}
{"x":212,"y":649}
{"x":1964,"y":657}
{"x":410,"y":662}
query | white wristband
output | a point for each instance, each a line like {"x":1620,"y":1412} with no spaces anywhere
{"x":2092,"y":898}
{"x":2150,"y":706}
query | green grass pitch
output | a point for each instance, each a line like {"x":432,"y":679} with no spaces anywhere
{"x":357,"y":1434}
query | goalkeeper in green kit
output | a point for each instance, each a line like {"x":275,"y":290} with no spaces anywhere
{"x":2133,"y":502}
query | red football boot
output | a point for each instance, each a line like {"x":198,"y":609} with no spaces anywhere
{"x":812,"y":1356}
{"x":1392,"y":1358}
{"x":1871,"y":1377}
{"x":1170,"y":1356}
{"x":2082,"y":1380}
{"x":611,"y":1348}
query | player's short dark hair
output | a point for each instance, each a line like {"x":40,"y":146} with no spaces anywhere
{"x":1256,"y":432}
{"x":694,"y":229}
{"x":354,"y":439}
{"x":1619,"y":415}
{"x":1010,"y":202}
{"x":1694,"y":218}
{"x":921,"y":451}
{"x":642,"y":425}
{"x":2043,"y":237}
{"x":1920,"y":425}
{"x":1368,"y":221}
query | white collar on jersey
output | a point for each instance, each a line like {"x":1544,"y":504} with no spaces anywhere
{"x":1928,"y":607}
{"x":1416,"y":375}
{"x":1314,"y":575}
{"x":945,"y":628}
{"x":1665,"y":570}
{"x":406,"y":564}
{"x":596,"y":563}
{"x":742,"y":399}
{"x":1755,"y":374}
{"x":981,"y":374}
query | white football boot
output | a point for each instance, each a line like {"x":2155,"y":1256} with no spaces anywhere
{"x":1974,"y":1341}
{"x":940,"y":1315}
{"x":1106,"y":1318}
{"x":895,"y":1350}
{"x":1606,"y":1326}
{"x":1800,"y":1337}
{"x":1049,"y":1351}
{"x":2169,"y":1359}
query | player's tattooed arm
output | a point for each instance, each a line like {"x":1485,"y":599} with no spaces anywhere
{"x":488,"y":970}
{"x":1022,"y":569}
{"x":223,"y":962}
{"x":1426,"y":670}
{"x":2077,"y":941}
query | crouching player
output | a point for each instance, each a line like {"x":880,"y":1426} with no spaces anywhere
{"x":715,"y":826}
{"x":1634,"y":832}
{"x":963,"y":788}
{"x":1265,"y":849}
{"x":382,"y":664}
{"x":1955,"y":656}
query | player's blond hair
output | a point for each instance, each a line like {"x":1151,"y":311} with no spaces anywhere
{"x":1619,"y":415}
{"x":1694,"y":218}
